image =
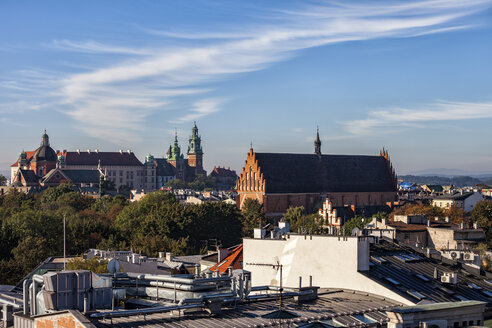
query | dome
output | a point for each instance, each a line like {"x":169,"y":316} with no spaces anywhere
{"x":45,"y":152}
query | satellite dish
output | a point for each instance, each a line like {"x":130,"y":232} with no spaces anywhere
{"x":113,"y":266}
{"x":355,"y":231}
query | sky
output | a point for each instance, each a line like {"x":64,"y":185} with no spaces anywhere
{"x":414,"y":77}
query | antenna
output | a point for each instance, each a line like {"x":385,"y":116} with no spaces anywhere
{"x":64,"y":243}
{"x":275,"y":267}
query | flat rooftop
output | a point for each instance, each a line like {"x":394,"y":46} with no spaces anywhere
{"x":344,"y":307}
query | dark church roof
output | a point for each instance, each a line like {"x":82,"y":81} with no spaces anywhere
{"x":29,"y":176}
{"x":164,"y":168}
{"x":45,"y":153}
{"x":309,"y":173}
{"x":107,"y":158}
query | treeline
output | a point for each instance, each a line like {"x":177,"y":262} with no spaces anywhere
{"x":31,"y":226}
{"x":457,"y":181}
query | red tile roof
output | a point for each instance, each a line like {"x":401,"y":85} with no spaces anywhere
{"x":29,"y":155}
{"x":234,"y":260}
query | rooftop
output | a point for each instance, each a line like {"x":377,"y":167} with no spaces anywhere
{"x":435,"y":307}
{"x":410,"y":274}
{"x":340,"y":306}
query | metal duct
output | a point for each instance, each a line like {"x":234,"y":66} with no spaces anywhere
{"x":126,"y":313}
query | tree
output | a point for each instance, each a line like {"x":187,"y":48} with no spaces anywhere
{"x":252,"y":216}
{"x":482,"y":215}
{"x":202,"y":182}
{"x":3,"y":180}
{"x":301,"y":222}
{"x":355,"y":222}
{"x":94,"y":264}
{"x":176,"y":184}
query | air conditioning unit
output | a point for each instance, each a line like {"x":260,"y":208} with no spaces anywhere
{"x":468,"y":257}
{"x":449,"y":278}
{"x":454,"y":255}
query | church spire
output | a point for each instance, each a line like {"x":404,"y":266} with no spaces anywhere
{"x":317,"y":143}
{"x":45,"y":140}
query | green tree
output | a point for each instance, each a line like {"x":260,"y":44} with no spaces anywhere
{"x":482,"y":215}
{"x":176,"y":184}
{"x":3,"y":180}
{"x":301,"y":222}
{"x":355,"y":222}
{"x":95,"y":265}
{"x":252,"y":216}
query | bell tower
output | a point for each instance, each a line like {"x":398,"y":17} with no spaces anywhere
{"x":195,"y":152}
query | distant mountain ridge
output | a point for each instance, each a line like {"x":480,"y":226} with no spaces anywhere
{"x":457,"y":181}
{"x":450,"y":173}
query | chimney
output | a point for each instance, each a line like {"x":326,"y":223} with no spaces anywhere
{"x":88,"y":151}
{"x":128,"y":151}
{"x":169,"y":256}
{"x":475,"y":225}
{"x":78,"y":151}
{"x":97,"y":151}
{"x":121,"y":152}
{"x":446,"y":219}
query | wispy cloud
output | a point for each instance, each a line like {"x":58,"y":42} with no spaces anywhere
{"x":393,"y":119}
{"x":116,"y":99}
{"x":200,"y":108}
{"x":97,"y":47}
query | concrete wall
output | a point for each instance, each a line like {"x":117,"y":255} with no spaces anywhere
{"x":332,"y":261}
{"x":439,"y":238}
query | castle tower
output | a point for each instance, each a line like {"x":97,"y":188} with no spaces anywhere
{"x":176,"y":159}
{"x":195,"y":152}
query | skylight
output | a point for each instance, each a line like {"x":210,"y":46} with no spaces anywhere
{"x":415,"y":294}
{"x":393,"y":281}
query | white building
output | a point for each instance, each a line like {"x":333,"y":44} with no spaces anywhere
{"x":330,"y":261}
{"x":466,"y":201}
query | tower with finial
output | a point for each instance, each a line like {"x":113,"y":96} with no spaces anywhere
{"x":176,"y":158}
{"x":317,"y":144}
{"x":195,"y":152}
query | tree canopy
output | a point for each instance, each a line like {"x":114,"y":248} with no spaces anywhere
{"x":31,"y":226}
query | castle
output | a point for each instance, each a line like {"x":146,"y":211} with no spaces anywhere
{"x":45,"y":167}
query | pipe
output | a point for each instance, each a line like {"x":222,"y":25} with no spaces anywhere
{"x":126,"y":313}
{"x":25,"y":295}
{"x":189,"y":281}
{"x":9,"y":302}
{"x":185,"y":287}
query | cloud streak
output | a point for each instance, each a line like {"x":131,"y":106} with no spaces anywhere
{"x":116,"y":100}
{"x":391,"y":120}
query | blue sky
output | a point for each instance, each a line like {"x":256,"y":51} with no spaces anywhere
{"x":412,"y":76}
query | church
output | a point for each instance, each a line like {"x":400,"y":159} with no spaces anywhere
{"x":282,"y":180}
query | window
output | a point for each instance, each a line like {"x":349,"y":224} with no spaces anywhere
{"x":121,"y":173}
